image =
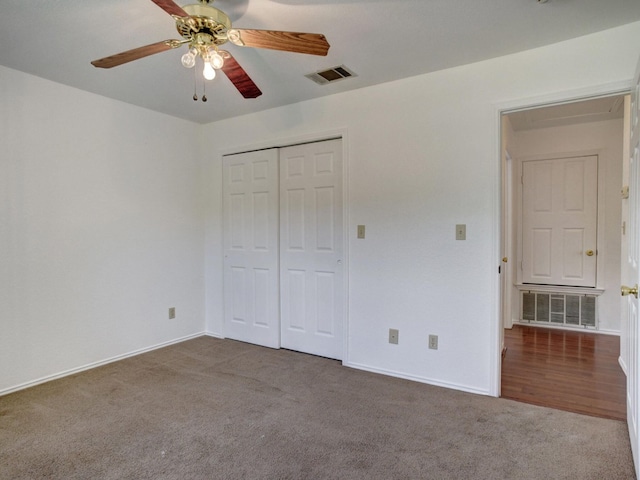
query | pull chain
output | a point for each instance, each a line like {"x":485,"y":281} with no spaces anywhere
{"x":195,"y":96}
{"x":195,"y":87}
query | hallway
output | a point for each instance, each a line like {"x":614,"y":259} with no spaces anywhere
{"x":566,"y":370}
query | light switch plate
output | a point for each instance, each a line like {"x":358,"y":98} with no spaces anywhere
{"x":361,"y":231}
{"x":461,"y":232}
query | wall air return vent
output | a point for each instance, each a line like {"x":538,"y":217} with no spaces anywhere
{"x":559,"y":309}
{"x":331,"y":75}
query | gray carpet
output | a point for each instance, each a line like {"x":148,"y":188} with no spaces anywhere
{"x":219,"y":409}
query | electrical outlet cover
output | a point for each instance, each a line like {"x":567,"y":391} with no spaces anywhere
{"x":393,"y":336}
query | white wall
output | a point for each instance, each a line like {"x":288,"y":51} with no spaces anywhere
{"x":423,"y":155}
{"x":606,"y":139}
{"x":104,"y":216}
{"x":101,"y":229}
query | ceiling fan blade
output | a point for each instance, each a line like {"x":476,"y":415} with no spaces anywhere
{"x":311,"y":43}
{"x":171,"y":8}
{"x":239,"y":77}
{"x":136,"y":53}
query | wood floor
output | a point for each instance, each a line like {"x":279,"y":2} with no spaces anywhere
{"x":567,"y":370}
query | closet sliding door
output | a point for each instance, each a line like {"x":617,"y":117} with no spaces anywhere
{"x":250,"y":204}
{"x":284,"y":248}
{"x":312,"y":248}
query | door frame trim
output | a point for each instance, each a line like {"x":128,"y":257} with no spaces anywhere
{"x":506,"y":271}
{"x":313,"y":137}
{"x":499,"y":109}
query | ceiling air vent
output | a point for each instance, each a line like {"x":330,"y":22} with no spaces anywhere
{"x":331,"y":75}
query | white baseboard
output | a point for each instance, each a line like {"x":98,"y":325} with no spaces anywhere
{"x":214,"y":335}
{"x":415,"y":378}
{"x":569,"y":329}
{"x":134,"y":353}
{"x":623,"y":365}
{"x":100,"y":363}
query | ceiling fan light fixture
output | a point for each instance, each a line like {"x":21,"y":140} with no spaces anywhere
{"x":216,"y":59}
{"x":208,"y":72}
{"x":188,"y":60}
{"x":204,"y":28}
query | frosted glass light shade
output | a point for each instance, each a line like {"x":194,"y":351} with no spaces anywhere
{"x":188,"y":60}
{"x":216,"y":60}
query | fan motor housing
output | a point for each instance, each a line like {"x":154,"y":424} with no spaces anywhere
{"x":204,"y":19}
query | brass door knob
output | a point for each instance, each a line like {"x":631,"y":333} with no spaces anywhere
{"x":589,"y":253}
{"x":629,"y":291}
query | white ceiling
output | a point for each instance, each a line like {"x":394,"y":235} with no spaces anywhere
{"x":380,"y":40}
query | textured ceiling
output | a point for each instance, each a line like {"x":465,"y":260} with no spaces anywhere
{"x":380,"y":40}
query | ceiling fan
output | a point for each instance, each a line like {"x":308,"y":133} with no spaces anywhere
{"x":204,"y":28}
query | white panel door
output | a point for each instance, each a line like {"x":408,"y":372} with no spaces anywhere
{"x":559,"y":221}
{"x":250,"y":204}
{"x":632,"y":274}
{"x":311,"y":248}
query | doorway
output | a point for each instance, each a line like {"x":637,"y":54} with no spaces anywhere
{"x":536,"y":137}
